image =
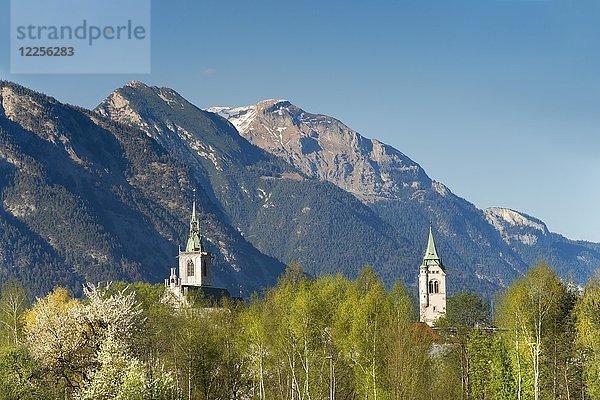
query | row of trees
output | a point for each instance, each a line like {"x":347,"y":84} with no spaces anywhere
{"x":545,"y":343}
{"x":305,"y":339}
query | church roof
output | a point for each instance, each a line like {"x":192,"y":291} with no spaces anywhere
{"x":194,"y":242}
{"x":431,"y":252}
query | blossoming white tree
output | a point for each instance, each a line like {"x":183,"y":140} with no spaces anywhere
{"x":89,"y":346}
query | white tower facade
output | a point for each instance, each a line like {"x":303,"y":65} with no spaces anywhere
{"x":195,"y":268}
{"x":432,"y":285}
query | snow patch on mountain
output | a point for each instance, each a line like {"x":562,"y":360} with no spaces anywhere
{"x":240,"y":117}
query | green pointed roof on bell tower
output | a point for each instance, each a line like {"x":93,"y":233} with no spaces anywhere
{"x":194,"y":242}
{"x":431,"y":252}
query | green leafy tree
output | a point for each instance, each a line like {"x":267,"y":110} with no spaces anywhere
{"x":465,"y":313}
{"x":588,"y":336}
{"x":445,"y":381}
{"x":501,"y":384}
{"x":406,"y":359}
{"x":253,"y":343}
{"x":467,"y":310}
{"x":20,"y":376}
{"x":360,"y":327}
{"x":13,"y":305}
{"x":528,"y":310}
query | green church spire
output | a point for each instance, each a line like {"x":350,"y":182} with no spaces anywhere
{"x":431,"y":252}
{"x":194,"y":242}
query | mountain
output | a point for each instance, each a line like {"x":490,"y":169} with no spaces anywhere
{"x":493,"y":245}
{"x":530,"y":238}
{"x":105,"y":194}
{"x":277,"y":208}
{"x":326,"y":149}
{"x":85,"y":198}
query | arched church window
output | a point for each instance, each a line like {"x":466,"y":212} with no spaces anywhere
{"x":203,"y":269}
{"x":434,"y":286}
{"x":190,"y":268}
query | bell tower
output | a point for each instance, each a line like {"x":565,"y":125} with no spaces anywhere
{"x":195,"y":263}
{"x":432,"y":284}
{"x":194,"y":274}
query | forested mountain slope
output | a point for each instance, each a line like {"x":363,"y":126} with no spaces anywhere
{"x":479,"y":243}
{"x":87,"y":198}
{"x":275,"y":206}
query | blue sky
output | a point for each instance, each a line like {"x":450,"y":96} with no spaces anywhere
{"x":499,"y":100}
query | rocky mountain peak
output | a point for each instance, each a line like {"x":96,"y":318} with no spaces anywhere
{"x":131,"y":100}
{"x":173,"y":121}
{"x":136,"y":104}
{"x":516,"y":218}
{"x":274,"y":103}
{"x":515,"y":226}
{"x":16,"y":101}
{"x":135,"y":84}
{"x":324,"y":148}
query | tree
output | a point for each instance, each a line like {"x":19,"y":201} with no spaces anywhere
{"x":561,"y":363}
{"x":20,"y":376}
{"x":289,"y":341}
{"x":59,"y":339}
{"x":445,"y":381}
{"x":121,"y":377}
{"x":406,"y":352}
{"x":528,"y":309}
{"x":361,"y":322}
{"x":88,"y":346}
{"x":501,"y":381}
{"x":255,"y":330}
{"x":13,"y":304}
{"x":588,"y":335}
{"x":465,"y":312}
{"x":112,"y":317}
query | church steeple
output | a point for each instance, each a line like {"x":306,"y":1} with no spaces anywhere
{"x":195,"y":263}
{"x":431,"y":252}
{"x":194,"y":242}
{"x":432,"y":284}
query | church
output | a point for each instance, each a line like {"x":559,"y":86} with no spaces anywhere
{"x":194,"y":273}
{"x":432,"y":285}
